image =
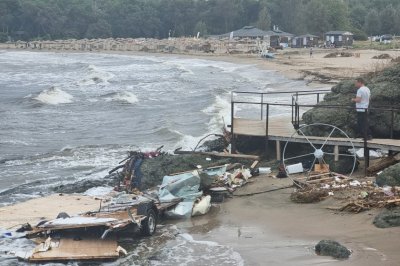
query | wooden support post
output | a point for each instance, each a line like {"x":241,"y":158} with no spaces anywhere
{"x":336,"y":152}
{"x":278,"y":150}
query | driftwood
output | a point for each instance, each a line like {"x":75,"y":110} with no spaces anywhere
{"x":364,"y":205}
{"x":382,"y":164}
{"x":219,"y":154}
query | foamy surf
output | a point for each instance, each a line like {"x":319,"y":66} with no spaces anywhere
{"x":96,"y":76}
{"x":122,"y":96}
{"x":54,"y":96}
{"x":184,"y":250}
{"x":219,"y":112}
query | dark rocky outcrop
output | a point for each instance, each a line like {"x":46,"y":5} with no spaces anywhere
{"x":153,"y":170}
{"x":382,"y":56}
{"x":385,"y":92}
{"x":388,"y":218}
{"x":333,"y":249}
{"x":390,"y":176}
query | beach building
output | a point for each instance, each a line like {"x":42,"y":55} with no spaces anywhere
{"x":339,"y":38}
{"x":307,"y":40}
{"x":278,"y":38}
{"x":250,"y":32}
{"x":274,"y":38}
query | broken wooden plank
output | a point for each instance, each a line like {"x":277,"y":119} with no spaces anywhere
{"x":393,"y":201}
{"x":321,"y":180}
{"x":45,"y":208}
{"x":220,"y":154}
{"x":77,"y":249}
{"x":254,"y":164}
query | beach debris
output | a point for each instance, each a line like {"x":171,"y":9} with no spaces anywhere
{"x":372,"y":153}
{"x":382,"y":56}
{"x":321,"y":168}
{"x":333,"y":249}
{"x":24,"y":227}
{"x":264,"y":170}
{"x":359,"y":195}
{"x":220,"y":154}
{"x":294,"y":168}
{"x":310,"y":196}
{"x":388,"y":218}
{"x":383,"y":163}
{"x":202,"y":206}
{"x":190,"y":188}
{"x":281,"y":172}
{"x":67,"y":249}
{"x":183,"y":186}
{"x":396,"y":59}
{"x":218,"y":194}
{"x":93,"y":235}
{"x":338,"y":54}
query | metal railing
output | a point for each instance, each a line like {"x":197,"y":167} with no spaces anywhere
{"x":264,"y":97}
{"x":296,"y":111}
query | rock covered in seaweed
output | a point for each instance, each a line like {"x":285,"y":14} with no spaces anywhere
{"x":388,"y":218}
{"x":333,"y":249}
{"x":390,"y":176}
{"x":385,"y":92}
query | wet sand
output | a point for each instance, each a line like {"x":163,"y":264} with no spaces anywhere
{"x":269,"y":229}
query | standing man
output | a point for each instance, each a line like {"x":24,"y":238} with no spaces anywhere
{"x":362,"y":103}
{"x":311,"y":52}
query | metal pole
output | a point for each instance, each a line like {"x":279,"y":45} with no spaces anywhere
{"x":262,"y":105}
{"x":266,"y":129}
{"x":392,"y":123}
{"x":365,"y":135}
{"x":233,"y":140}
{"x":317,"y":97}
{"x":292,"y":109}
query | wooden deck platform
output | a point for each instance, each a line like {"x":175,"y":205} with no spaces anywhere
{"x":281,"y":129}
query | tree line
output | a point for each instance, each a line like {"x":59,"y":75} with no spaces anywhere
{"x":65,"y":19}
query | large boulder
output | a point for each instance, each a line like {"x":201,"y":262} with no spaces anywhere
{"x":333,"y":249}
{"x":385,"y":92}
{"x":390,"y":176}
{"x":388,"y":218}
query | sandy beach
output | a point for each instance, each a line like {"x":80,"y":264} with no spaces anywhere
{"x":269,"y":229}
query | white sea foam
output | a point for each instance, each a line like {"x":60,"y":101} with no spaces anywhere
{"x":186,"y":251}
{"x":220,"y":112}
{"x":96,"y":75}
{"x":98,"y":191}
{"x":122,"y":96}
{"x":54,"y":96}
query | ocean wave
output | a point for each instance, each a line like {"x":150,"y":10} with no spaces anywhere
{"x":220,"y":112}
{"x":122,"y":96}
{"x":96,"y":76}
{"x":54,"y":96}
{"x":208,"y":252}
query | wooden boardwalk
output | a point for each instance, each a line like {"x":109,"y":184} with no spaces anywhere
{"x":281,"y":129}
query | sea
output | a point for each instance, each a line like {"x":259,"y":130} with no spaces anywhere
{"x":66,"y":117}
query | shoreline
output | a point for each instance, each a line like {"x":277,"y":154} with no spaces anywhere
{"x":293,"y":63}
